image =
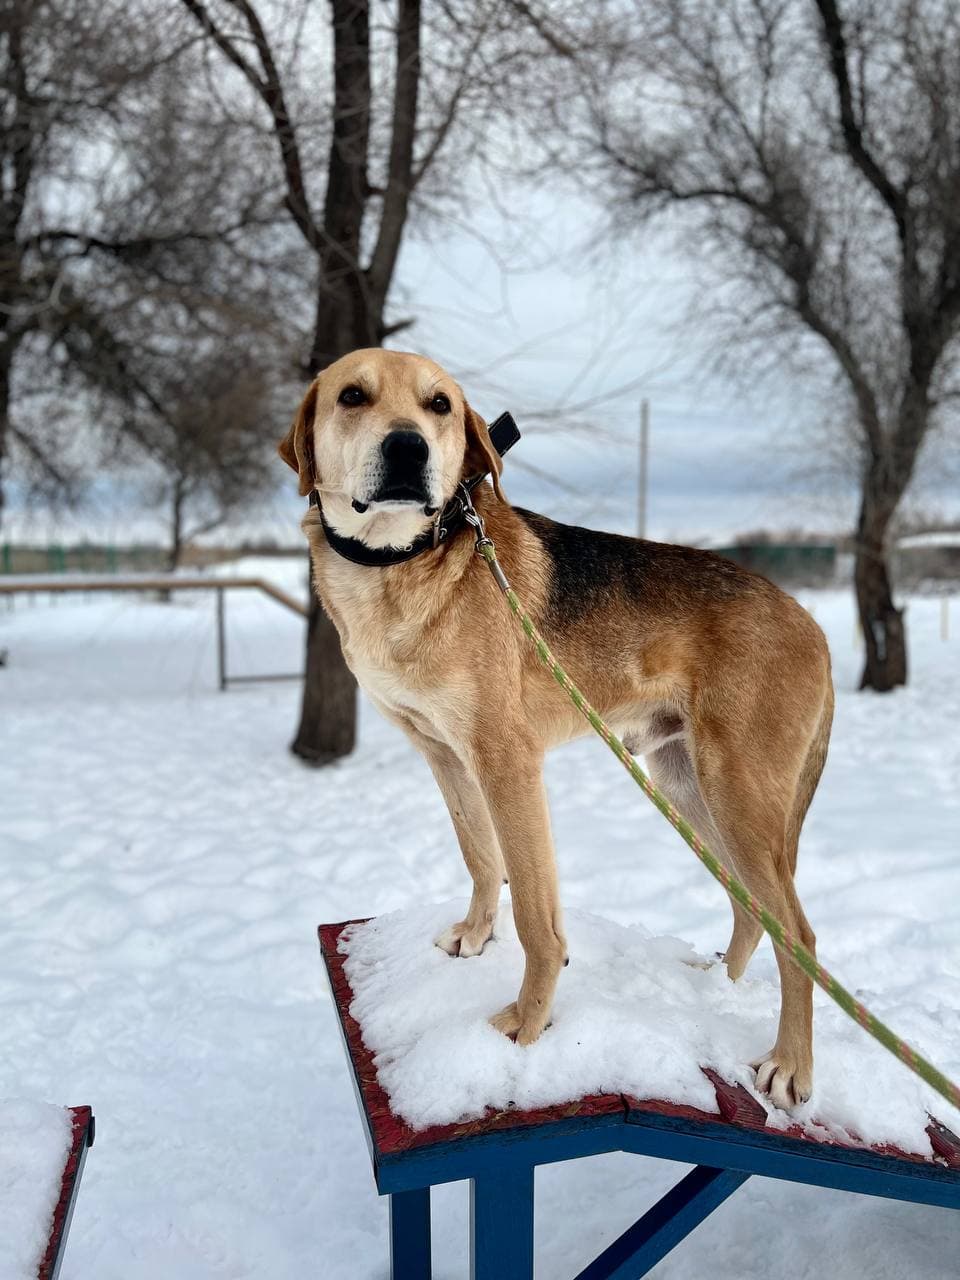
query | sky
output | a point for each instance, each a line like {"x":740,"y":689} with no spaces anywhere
{"x":577,"y":320}
{"x":581,"y":318}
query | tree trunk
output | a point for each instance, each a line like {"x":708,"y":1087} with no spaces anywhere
{"x":890,"y":468}
{"x":328,"y":713}
{"x":4,"y":423}
{"x":165,"y":595}
{"x":176,"y":529}
{"x":351,"y":301}
{"x":328,"y":717}
{"x":884,"y":632}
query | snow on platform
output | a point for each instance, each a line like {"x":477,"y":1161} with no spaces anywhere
{"x":634,"y":1014}
{"x":35,"y":1140}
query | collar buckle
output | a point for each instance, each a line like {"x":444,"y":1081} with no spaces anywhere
{"x":439,"y":531}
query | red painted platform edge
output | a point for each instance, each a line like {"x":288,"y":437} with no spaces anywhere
{"x":736,"y":1106}
{"x":944,"y":1142}
{"x":82,"y":1129}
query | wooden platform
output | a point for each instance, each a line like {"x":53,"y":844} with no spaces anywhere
{"x":83,"y":1135}
{"x":499,"y":1153}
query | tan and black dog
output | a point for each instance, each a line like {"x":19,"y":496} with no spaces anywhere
{"x":718,"y":678}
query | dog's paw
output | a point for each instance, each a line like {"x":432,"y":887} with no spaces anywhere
{"x":786,"y":1081}
{"x":522,"y":1031}
{"x":464,"y":939}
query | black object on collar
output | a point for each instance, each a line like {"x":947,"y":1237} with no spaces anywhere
{"x":504,"y":434}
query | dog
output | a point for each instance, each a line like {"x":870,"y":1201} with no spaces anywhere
{"x":711,"y":672}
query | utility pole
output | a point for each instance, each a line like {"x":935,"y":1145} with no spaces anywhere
{"x":644,"y":446}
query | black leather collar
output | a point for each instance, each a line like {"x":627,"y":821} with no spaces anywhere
{"x":447,"y":523}
{"x":503,"y":435}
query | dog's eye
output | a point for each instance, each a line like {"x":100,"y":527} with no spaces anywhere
{"x":440,"y":404}
{"x":352,"y":397}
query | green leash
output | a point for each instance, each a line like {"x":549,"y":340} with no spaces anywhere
{"x":782,"y":938}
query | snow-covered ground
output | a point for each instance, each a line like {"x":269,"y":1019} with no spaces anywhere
{"x":164,"y":863}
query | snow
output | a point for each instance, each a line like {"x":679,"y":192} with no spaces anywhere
{"x":164,"y":863}
{"x":935,"y":538}
{"x":634,"y":1014}
{"x":35,"y":1140}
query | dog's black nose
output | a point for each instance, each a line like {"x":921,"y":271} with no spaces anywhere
{"x":405,"y":447}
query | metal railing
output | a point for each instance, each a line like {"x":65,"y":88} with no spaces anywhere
{"x":12,"y":585}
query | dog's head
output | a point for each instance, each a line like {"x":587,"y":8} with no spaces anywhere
{"x":386,"y":437}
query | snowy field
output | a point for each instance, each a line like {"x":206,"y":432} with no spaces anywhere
{"x":164,"y":863}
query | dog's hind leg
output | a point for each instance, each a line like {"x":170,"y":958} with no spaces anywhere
{"x":747,"y":933}
{"x":671,"y":769}
{"x":754,"y":829}
{"x":478,"y":844}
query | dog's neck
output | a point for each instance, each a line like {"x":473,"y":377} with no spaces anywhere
{"x":443,"y":525}
{"x":383,"y":525}
{"x":339,"y":574}
{"x":380,"y":613}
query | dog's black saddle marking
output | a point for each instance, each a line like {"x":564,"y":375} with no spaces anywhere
{"x":589,"y":567}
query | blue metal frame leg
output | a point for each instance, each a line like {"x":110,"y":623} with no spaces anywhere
{"x":410,"y":1235}
{"x":670,"y":1220}
{"x":501,"y":1225}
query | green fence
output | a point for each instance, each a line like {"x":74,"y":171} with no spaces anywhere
{"x":81,"y":558}
{"x":791,"y":562}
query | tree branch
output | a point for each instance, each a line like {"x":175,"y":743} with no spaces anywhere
{"x":794,"y":261}
{"x":344,"y":318}
{"x":453,"y":106}
{"x":41,"y":457}
{"x":19,"y":140}
{"x":269,"y":89}
{"x":551,"y":38}
{"x":398,"y":326}
{"x":133,"y":247}
{"x":836,"y":41}
{"x":273,"y":96}
{"x":223,"y":42}
{"x":400,"y":178}
{"x":347,"y":183}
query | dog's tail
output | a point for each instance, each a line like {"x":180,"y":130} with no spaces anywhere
{"x":809,"y":776}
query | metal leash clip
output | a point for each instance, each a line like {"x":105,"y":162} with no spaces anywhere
{"x":483,"y":545}
{"x":472,"y":517}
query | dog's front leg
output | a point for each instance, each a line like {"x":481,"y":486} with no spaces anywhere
{"x":478,"y":844}
{"x":512,"y":784}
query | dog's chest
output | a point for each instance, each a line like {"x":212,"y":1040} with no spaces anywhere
{"x":390,"y":688}
{"x":384,"y":658}
{"x":384,"y":645}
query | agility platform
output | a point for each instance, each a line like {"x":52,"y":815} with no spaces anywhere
{"x":499,"y":1153}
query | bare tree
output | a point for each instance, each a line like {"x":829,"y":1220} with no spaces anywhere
{"x":48,"y":92}
{"x":384,"y":125}
{"x":814,"y":155}
{"x":211,"y":171}
{"x":141,"y":316}
{"x":198,"y":432}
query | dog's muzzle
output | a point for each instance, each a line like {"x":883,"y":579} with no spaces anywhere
{"x":404,"y":455}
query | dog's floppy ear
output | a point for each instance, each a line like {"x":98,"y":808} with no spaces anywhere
{"x":296,"y":447}
{"x":481,"y":456}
